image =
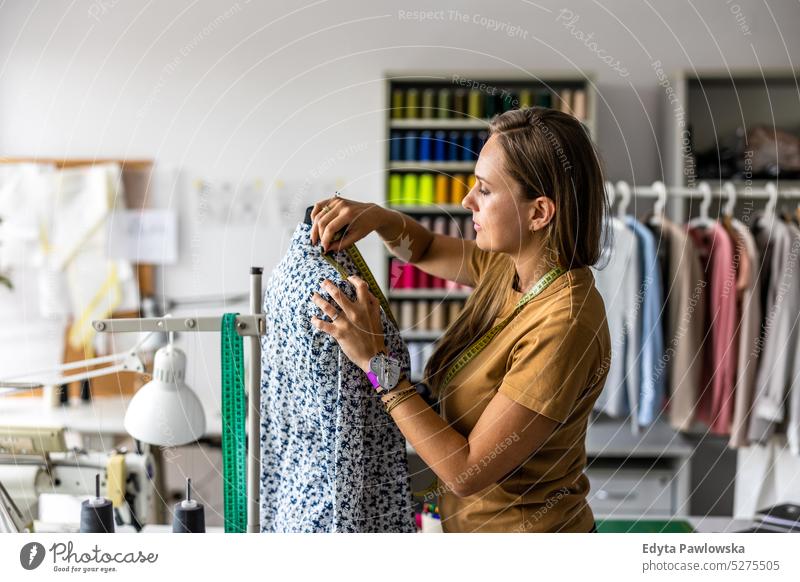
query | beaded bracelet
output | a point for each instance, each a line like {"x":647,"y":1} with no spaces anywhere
{"x":394,"y":395}
{"x":400,"y":398}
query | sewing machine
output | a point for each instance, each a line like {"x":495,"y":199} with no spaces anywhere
{"x":35,"y":464}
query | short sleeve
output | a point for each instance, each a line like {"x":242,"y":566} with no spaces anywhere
{"x":552,"y":366}
{"x":479,"y":261}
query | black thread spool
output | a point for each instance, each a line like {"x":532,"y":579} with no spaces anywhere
{"x":97,"y":515}
{"x":189,"y":516}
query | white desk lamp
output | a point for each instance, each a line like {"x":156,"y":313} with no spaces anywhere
{"x":165,"y":411}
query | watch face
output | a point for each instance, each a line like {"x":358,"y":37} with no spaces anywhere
{"x":387,"y":371}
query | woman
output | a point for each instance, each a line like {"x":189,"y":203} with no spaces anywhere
{"x":509,"y":446}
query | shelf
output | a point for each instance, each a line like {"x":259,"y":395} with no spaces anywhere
{"x":431,"y":209}
{"x":432,"y":166}
{"x":400,"y":294}
{"x":715,"y":104}
{"x":454,"y":123}
{"x":613,"y":438}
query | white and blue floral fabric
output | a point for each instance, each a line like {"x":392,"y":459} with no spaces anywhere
{"x":332,"y":459}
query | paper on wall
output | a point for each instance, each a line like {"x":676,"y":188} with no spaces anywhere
{"x":144,"y":236}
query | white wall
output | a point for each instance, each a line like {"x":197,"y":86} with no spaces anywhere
{"x":238,"y":90}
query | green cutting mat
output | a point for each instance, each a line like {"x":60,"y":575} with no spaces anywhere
{"x":644,"y":526}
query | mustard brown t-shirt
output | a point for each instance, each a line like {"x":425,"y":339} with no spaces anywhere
{"x":553,"y":359}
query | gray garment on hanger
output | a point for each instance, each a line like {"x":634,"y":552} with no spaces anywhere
{"x":778,"y":366}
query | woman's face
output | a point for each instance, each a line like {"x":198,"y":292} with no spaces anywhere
{"x":500,"y":214}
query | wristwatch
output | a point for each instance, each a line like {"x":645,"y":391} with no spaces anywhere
{"x":384,"y":372}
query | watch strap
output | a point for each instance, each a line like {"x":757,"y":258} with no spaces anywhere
{"x":374,"y":379}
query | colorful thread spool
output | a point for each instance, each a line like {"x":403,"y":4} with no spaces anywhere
{"x":410,"y":185}
{"x":425,"y":189}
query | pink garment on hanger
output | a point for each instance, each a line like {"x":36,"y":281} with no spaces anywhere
{"x":716,"y":401}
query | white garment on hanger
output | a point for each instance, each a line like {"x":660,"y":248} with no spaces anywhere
{"x":778,"y":365}
{"x":619,"y":283}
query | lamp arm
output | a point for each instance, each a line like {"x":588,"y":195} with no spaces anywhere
{"x":128,"y":361}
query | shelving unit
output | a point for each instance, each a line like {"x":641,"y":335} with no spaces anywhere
{"x":709,"y":108}
{"x":458,"y":107}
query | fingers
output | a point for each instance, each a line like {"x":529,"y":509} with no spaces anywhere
{"x":320,"y":205}
{"x":340,"y":244}
{"x":330,"y":228}
{"x":318,"y":211}
{"x":325,"y":326}
{"x":325,"y":306}
{"x":341,"y":299}
{"x":363,"y":294}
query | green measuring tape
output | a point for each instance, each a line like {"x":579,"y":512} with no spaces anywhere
{"x":478,"y":346}
{"x":364,"y":273}
{"x":234,"y":412}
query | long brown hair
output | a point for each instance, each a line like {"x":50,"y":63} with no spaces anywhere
{"x":548,"y":153}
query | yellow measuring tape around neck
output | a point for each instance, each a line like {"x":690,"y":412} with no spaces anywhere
{"x":478,"y":346}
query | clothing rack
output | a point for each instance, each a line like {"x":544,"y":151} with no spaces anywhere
{"x":621,"y":193}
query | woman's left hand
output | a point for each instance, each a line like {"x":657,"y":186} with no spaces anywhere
{"x":357,"y":326}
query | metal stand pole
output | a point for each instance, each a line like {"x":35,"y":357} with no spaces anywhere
{"x":254,"y":411}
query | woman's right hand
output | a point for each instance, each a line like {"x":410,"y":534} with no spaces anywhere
{"x":360,"y":218}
